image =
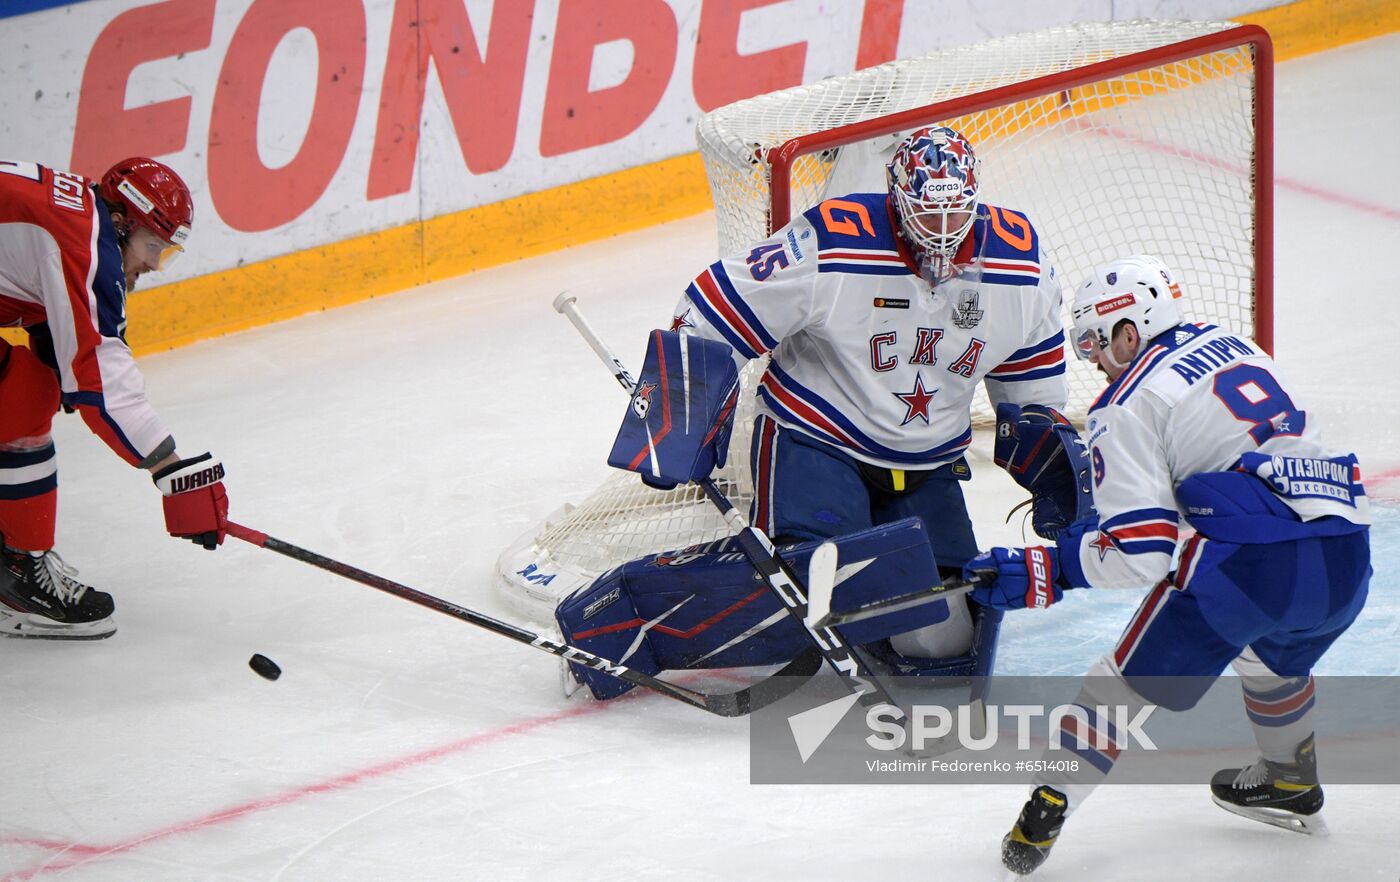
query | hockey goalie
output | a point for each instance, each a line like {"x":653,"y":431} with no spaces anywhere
{"x":706,"y":606}
{"x":883,"y":312}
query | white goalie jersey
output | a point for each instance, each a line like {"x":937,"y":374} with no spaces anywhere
{"x":1197,"y":400}
{"x":865,"y":356}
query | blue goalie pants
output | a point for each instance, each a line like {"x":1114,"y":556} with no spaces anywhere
{"x":807,"y":489}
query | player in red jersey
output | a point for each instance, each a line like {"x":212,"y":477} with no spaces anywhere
{"x":70,"y":250}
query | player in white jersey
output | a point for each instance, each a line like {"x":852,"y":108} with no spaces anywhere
{"x":883,"y":312}
{"x":70,"y":250}
{"x":1195,"y":430}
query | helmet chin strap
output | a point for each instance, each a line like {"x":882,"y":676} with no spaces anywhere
{"x":1107,"y":354}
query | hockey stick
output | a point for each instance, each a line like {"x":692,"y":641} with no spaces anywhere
{"x":727,"y":704}
{"x":950,"y":588}
{"x":757,"y":547}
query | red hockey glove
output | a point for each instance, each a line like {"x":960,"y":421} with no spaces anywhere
{"x":196,"y":506}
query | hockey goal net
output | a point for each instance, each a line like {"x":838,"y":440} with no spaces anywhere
{"x":1115,"y":138}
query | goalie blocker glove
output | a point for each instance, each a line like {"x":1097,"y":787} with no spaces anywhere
{"x":196,"y":506}
{"x":677,"y":425}
{"x":1042,"y":451}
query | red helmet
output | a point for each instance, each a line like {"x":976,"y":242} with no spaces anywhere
{"x":153,"y":196}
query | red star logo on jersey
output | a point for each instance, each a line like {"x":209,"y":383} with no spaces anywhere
{"x":681,"y":321}
{"x":1104,"y":543}
{"x":917,"y":401}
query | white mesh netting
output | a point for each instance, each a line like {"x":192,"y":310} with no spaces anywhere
{"x":1158,"y":159}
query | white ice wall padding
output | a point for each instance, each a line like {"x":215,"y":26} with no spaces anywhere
{"x":1160,"y":161}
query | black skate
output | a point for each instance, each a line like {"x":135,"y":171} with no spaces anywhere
{"x":39,"y":598}
{"x":1029,"y":842}
{"x":1285,"y":795}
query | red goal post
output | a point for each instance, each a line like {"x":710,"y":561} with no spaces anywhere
{"x":1115,"y":138}
{"x":781,"y":160}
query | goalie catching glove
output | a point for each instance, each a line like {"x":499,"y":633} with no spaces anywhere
{"x":196,"y":506}
{"x":677,"y":425}
{"x":1042,"y":451}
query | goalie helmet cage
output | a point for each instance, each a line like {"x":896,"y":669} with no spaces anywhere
{"x":1114,"y":138}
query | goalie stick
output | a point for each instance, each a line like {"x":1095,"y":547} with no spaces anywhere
{"x":757,"y":547}
{"x":725,"y":704}
{"x":949,"y":588}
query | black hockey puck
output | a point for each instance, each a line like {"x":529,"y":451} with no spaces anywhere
{"x":264,"y":667}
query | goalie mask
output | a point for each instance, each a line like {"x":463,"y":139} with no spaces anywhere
{"x":1139,"y":289}
{"x":152,"y":195}
{"x":933,"y":183}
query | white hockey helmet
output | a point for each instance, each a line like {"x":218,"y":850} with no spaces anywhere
{"x":1139,"y":288}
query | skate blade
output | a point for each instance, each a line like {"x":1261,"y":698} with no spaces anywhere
{"x":26,"y":627}
{"x":1308,"y":825}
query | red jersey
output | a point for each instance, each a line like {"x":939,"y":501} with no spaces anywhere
{"x":60,"y":264}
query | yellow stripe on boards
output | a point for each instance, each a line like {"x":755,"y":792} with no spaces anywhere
{"x":386,"y":262}
{"x":382,"y":263}
{"x":1310,"y":26}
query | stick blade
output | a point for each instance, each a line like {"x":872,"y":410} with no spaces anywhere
{"x":821,"y":580}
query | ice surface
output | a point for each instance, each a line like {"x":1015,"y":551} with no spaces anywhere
{"x":415,"y":436}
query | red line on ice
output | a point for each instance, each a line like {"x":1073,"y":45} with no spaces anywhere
{"x":76,"y":853}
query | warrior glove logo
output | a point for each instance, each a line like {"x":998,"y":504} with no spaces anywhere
{"x":194,"y":480}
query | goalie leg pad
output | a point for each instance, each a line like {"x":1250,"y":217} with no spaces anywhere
{"x":706,"y":607}
{"x":602,"y":619}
